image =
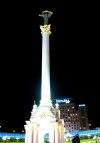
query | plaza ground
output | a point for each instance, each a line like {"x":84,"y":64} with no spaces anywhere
{"x":82,"y":141}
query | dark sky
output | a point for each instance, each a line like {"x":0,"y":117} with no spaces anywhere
{"x":74,"y":59}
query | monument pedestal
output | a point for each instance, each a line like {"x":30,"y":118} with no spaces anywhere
{"x":44,"y":120}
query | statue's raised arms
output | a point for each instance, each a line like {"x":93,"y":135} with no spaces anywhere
{"x":46,"y":15}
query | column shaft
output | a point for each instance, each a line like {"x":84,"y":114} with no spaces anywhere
{"x":45,"y":67}
{"x":35,"y":139}
{"x":56,"y":135}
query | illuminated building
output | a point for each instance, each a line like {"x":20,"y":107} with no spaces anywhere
{"x":75,"y":119}
{"x":84,"y":125}
{"x":45,"y":119}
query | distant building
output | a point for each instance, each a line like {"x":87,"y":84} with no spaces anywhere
{"x":97,"y":128}
{"x":84,"y":125}
{"x":75,"y":119}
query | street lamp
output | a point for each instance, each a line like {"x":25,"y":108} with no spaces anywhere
{"x":4,"y":138}
{"x":13,"y":131}
{"x":17,"y":139}
{"x":88,"y":136}
{"x":23,"y":131}
{"x":95,"y":138}
{"x":0,"y":127}
{"x":68,"y":137}
{"x":8,"y":138}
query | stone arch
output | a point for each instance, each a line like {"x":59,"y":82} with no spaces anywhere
{"x":46,"y":130}
{"x":42,"y":132}
{"x":46,"y":137}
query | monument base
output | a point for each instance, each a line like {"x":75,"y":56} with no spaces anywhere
{"x":44,"y":120}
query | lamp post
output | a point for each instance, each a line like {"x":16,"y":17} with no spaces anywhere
{"x":8,"y":138}
{"x":88,"y":136}
{"x":13,"y":131}
{"x":68,"y":136}
{"x":4,"y":139}
{"x":95,"y":138}
{"x":17,"y":139}
{"x":0,"y":127}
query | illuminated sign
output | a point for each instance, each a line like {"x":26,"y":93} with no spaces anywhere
{"x":64,"y":100}
{"x":13,"y":135}
{"x":81,"y":105}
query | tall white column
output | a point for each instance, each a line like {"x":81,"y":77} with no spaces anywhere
{"x":45,"y":88}
{"x":45,"y":67}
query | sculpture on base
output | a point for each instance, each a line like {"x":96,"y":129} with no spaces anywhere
{"x":46,"y":15}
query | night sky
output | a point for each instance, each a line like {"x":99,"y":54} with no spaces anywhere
{"x":74,"y":59}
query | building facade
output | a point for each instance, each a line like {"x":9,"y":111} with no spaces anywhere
{"x":75,"y":119}
{"x":83,"y":118}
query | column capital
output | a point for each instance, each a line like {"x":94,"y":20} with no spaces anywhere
{"x":45,"y":29}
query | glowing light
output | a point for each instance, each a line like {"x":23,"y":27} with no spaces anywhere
{"x":65,"y":100}
{"x":8,"y":138}
{"x":13,"y":131}
{"x":57,"y":105}
{"x":8,"y":135}
{"x":81,"y":105}
{"x":22,"y":131}
{"x":4,"y":138}
{"x":17,"y":139}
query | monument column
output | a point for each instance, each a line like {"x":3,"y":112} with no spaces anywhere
{"x":45,"y":119}
{"x":35,"y":139}
{"x":26,"y":136}
{"x":45,"y":88}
